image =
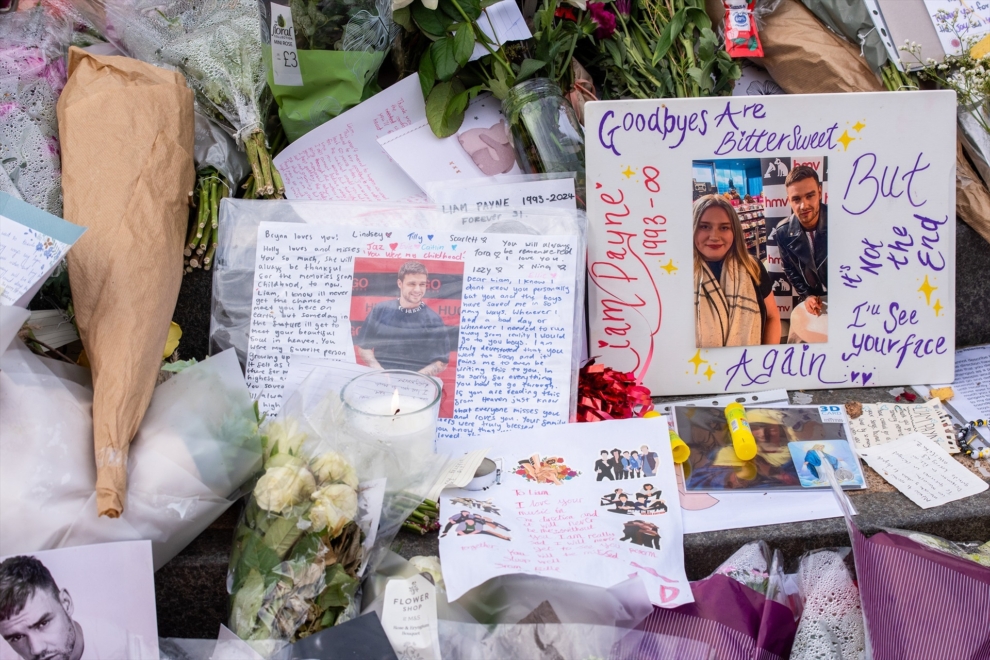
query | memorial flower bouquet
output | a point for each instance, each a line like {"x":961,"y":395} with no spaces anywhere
{"x":216,"y":44}
{"x":322,"y":514}
{"x":664,"y":49}
{"x":297,"y":551}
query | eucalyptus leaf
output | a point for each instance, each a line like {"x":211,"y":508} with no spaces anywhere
{"x":444,"y":60}
{"x":442,"y":107}
{"x":463,"y":43}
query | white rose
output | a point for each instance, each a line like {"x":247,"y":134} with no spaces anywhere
{"x":281,"y":488}
{"x":335,"y":506}
{"x":283,"y":437}
{"x":429,"y":565}
{"x":399,"y":4}
{"x":334,"y":468}
{"x":580,"y":4}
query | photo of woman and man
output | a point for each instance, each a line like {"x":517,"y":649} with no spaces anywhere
{"x":647,"y":502}
{"x":746,"y":253}
{"x":629,"y":464}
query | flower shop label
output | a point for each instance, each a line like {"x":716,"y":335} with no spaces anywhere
{"x":562,"y":510}
{"x":285,"y":59}
{"x":846,"y":201}
{"x":495,"y":323}
{"x":409,"y":617}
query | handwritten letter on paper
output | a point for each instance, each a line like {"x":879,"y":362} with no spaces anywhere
{"x":923,"y":471}
{"x":512,"y":358}
{"x":884,"y":422}
{"x":26,"y":256}
{"x":557,"y":513}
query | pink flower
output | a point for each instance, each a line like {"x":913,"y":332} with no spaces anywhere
{"x":603,"y":18}
{"x":623,"y":6}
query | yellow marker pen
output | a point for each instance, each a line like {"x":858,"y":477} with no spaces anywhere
{"x":743,"y":442}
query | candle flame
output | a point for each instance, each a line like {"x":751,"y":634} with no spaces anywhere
{"x":395,"y":401}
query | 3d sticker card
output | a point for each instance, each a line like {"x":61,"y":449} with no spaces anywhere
{"x":773,"y":242}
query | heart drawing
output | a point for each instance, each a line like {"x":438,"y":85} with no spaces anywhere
{"x":393,"y":245}
{"x":853,"y":375}
{"x":388,"y":234}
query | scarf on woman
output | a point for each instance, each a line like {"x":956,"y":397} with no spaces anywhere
{"x":727,"y":313}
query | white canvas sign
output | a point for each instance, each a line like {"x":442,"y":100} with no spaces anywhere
{"x":845,"y":206}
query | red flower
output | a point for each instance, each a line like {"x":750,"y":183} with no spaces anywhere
{"x":565,"y":13}
{"x":603,"y":18}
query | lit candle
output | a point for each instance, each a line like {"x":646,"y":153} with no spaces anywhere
{"x":409,"y":414}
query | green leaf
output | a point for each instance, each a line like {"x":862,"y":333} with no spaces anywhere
{"x":471,"y":8}
{"x":445,"y":107}
{"x":281,"y":534}
{"x":427,"y":73}
{"x":403,"y":17}
{"x":444,"y":62}
{"x":707,"y":45}
{"x":528,"y":68}
{"x":307,"y":547}
{"x":485,"y":4}
{"x":339,"y":590}
{"x":246,"y":604}
{"x":698,"y":17}
{"x":671,"y":32}
{"x":433,"y":23}
{"x":258,"y":556}
{"x":463,"y":43}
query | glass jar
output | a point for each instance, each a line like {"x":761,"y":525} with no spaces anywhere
{"x":545,"y":131}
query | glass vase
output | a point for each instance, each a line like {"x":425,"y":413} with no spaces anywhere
{"x":545,"y":131}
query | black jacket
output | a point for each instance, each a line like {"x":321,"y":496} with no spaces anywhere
{"x":806,"y":278}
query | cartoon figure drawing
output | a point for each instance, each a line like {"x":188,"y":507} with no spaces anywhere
{"x":468,"y":524}
{"x":641,"y":533}
{"x":485,"y":505}
{"x":603,"y":467}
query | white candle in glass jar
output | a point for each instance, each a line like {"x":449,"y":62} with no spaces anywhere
{"x":378,"y":416}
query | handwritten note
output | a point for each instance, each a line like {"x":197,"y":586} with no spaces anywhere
{"x":32,"y":243}
{"x":550,"y":515}
{"x":341,"y":159}
{"x":959,"y":23}
{"x":514,"y":193}
{"x":923,"y":471}
{"x":885,"y":422}
{"x":501,"y":22}
{"x":513,"y":358}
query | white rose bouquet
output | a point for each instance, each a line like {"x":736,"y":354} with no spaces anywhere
{"x":298,"y":548}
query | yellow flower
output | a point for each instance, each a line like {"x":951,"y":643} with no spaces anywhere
{"x":280,"y":488}
{"x":331,"y":467}
{"x":335,"y":506}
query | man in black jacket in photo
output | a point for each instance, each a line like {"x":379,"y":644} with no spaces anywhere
{"x":802,"y":239}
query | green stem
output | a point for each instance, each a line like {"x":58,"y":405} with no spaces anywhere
{"x":252,"y":153}
{"x":484,"y":41}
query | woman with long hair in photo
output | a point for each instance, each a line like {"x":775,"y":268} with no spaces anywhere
{"x":733,"y":300}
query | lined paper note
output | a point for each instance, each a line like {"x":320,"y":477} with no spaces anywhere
{"x":342,"y":161}
{"x":501,"y":22}
{"x":921,"y":470}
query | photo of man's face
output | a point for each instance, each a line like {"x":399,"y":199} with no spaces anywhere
{"x":412,"y":288}
{"x":43,"y":629}
{"x":805,"y":198}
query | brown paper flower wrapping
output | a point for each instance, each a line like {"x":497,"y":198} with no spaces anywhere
{"x":126,"y":129}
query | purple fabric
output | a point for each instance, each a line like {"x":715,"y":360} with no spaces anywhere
{"x":738,"y":622}
{"x":921,"y":603}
